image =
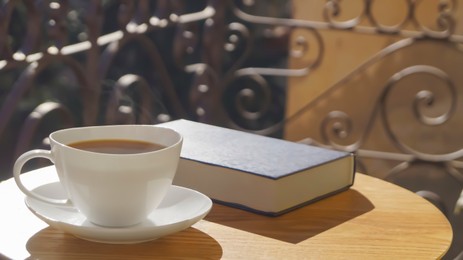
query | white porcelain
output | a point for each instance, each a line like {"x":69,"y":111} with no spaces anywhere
{"x":110,"y":189}
{"x":181,"y":208}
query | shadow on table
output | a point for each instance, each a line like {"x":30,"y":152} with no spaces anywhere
{"x":297,"y":225}
{"x":175,"y":246}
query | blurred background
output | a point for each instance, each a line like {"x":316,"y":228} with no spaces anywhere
{"x":379,"y":78}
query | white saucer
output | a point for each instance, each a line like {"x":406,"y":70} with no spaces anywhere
{"x":181,"y":208}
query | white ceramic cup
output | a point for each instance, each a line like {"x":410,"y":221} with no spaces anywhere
{"x":114,"y":190}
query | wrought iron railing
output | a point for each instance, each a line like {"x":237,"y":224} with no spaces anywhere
{"x":107,"y":62}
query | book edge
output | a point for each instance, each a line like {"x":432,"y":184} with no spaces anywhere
{"x":282,"y":212}
{"x":271,"y":209}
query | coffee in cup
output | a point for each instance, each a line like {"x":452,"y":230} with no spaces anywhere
{"x":115,"y":175}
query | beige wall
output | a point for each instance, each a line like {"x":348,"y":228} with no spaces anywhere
{"x":344,"y":50}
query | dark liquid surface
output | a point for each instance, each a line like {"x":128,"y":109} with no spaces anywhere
{"x":117,"y":146}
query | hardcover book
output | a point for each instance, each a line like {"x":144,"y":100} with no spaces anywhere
{"x":257,"y":173}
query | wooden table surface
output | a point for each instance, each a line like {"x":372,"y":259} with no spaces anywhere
{"x":372,"y":220}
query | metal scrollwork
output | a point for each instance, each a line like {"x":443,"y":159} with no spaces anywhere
{"x":253,"y":99}
{"x":336,"y":127}
{"x":423,"y":101}
{"x":132,"y":101}
{"x":391,"y":29}
{"x":333,"y":9}
{"x":237,"y":44}
{"x":309,"y":52}
{"x":445,"y":21}
{"x":36,"y":118}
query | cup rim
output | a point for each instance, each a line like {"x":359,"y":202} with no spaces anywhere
{"x":53,"y":139}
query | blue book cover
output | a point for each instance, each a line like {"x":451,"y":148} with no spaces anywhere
{"x":258,"y":173}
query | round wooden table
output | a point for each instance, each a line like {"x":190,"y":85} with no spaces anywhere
{"x":372,"y":220}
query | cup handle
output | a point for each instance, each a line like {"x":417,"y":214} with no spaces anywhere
{"x":18,"y":165}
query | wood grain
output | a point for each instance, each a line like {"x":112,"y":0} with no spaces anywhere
{"x":374,"y":219}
